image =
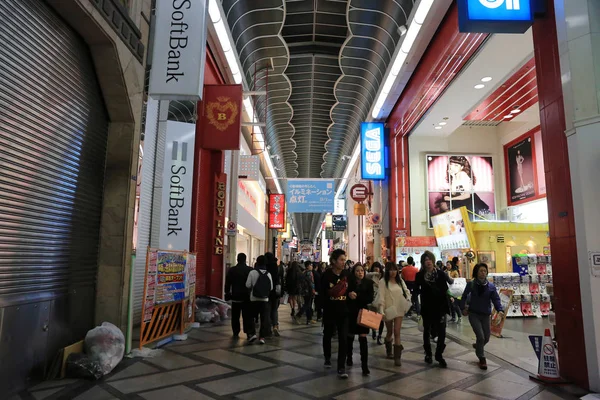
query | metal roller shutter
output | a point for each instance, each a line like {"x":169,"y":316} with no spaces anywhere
{"x":53,"y":136}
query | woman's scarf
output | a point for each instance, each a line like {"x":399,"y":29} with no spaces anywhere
{"x":481,"y":286}
{"x":431,"y":277}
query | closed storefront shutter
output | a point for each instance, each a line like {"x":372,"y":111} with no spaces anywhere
{"x":53,"y":136}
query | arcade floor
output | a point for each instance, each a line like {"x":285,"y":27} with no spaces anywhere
{"x":210,"y":365}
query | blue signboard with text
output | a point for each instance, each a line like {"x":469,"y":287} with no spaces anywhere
{"x":496,"y":16}
{"x":372,"y":150}
{"x":310,"y":196}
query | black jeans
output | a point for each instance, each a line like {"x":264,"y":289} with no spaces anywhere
{"x":261,"y":310}
{"x":414,"y":298}
{"x":333,"y":323}
{"x":308,"y":304}
{"x":438,"y":325}
{"x":245,"y":310}
{"x":319,"y":306}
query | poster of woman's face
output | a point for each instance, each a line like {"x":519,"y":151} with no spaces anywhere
{"x":519,"y":157}
{"x":456,"y":181}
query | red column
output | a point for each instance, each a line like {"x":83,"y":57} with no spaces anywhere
{"x":567,"y":297}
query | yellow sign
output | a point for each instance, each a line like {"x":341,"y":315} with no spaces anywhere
{"x":221,"y":113}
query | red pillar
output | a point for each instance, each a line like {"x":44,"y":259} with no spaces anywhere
{"x":567,"y":297}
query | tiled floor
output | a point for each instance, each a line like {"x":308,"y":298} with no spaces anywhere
{"x":211,"y":365}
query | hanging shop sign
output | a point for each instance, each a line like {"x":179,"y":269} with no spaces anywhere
{"x":453,"y":230}
{"x":176,"y":204}
{"x":179,"y":50}
{"x":524,"y":161}
{"x":249,"y":168}
{"x":359,"y":192}
{"x":339,"y":223}
{"x":221,"y":117}
{"x":496,"y":16}
{"x":329,"y":234}
{"x":310,"y":196}
{"x":372,"y":150}
{"x":277,"y":211}
{"x":219,"y":214}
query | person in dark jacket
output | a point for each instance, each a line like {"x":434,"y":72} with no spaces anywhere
{"x":334,"y":286}
{"x":237,"y":292}
{"x":432,"y":285}
{"x":292,"y":283}
{"x":476,"y":302}
{"x":361,"y":293}
{"x":317,"y":271}
{"x":275,"y":293}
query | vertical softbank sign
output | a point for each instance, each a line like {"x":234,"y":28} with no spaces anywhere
{"x":179,"y":50}
{"x":175,"y":216}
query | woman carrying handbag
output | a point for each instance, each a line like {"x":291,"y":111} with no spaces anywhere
{"x":394,"y":302}
{"x":360,"y":295}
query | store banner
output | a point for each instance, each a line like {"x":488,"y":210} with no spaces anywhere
{"x":525,"y":176}
{"x":339,"y":223}
{"x":277,"y":211}
{"x":372,"y":150}
{"x":176,"y":207}
{"x":219,"y":228}
{"x":221,"y":117}
{"x":496,"y":16}
{"x":311,"y":196}
{"x":179,"y":50}
{"x":461,"y":181}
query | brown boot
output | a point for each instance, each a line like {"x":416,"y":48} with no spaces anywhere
{"x":388,"y":349}
{"x":398,"y":355}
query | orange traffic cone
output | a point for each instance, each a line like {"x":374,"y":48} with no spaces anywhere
{"x":548,"y":371}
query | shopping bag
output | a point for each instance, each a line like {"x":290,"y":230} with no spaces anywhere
{"x":457,"y":289}
{"x":285,"y":298}
{"x":368,"y":319}
{"x":420,"y":324}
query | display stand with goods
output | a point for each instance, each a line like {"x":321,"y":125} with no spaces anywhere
{"x":169,"y":294}
{"x":530,"y":280}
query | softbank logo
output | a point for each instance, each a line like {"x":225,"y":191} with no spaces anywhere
{"x":493,"y":4}
{"x":176,"y":188}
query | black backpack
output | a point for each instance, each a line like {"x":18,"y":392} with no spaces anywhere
{"x":262,"y":287}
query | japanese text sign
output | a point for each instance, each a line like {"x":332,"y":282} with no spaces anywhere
{"x":310,"y":196}
{"x":276,"y":211}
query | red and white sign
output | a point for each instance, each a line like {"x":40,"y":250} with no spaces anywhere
{"x":231,"y":228}
{"x":359,"y":192}
{"x":277,"y":211}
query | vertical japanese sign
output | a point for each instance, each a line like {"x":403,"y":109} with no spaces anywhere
{"x":310,"y":196}
{"x":176,"y":208}
{"x":221,"y":117}
{"x":170,"y":276}
{"x":372,"y":150}
{"x":277,"y":211}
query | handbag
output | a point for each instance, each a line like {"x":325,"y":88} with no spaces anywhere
{"x":339,"y":289}
{"x":369,"y":319}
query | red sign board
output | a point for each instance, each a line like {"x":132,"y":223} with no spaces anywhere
{"x":359,"y":192}
{"x":277,"y":211}
{"x":221,"y":117}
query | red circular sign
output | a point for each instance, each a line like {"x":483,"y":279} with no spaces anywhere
{"x":548,"y":349}
{"x":359,"y":192}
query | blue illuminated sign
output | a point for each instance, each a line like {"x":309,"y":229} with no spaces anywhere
{"x":372,"y":150}
{"x":496,"y":16}
{"x":310,"y":196}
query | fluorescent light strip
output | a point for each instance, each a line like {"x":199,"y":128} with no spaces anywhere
{"x":349,"y":169}
{"x":214,"y":11}
{"x":409,"y":40}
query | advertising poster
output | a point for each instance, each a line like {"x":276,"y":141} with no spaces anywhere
{"x":525,"y":175}
{"x":497,"y":320}
{"x":311,"y":196}
{"x":170,"y":277}
{"x":277,"y":211}
{"x":152,"y":259}
{"x":455,"y":181}
{"x":450,"y":231}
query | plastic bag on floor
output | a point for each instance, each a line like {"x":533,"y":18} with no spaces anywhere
{"x":105,"y":344}
{"x":81,"y":366}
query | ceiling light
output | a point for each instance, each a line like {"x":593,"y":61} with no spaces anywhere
{"x":508,"y":116}
{"x":438,"y":127}
{"x":442,"y":123}
{"x":486,"y":79}
{"x":479,"y":86}
{"x":515,"y":111}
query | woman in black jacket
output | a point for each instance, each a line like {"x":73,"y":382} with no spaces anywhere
{"x":432,"y":285}
{"x":361,"y":293}
{"x":292,"y":283}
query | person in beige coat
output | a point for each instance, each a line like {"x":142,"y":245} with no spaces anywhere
{"x":393,"y":301}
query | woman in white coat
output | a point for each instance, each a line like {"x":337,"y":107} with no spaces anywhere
{"x":393,"y":301}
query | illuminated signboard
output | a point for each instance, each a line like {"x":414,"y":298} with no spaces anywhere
{"x":277,"y":211}
{"x":372,"y":150}
{"x":496,"y":16}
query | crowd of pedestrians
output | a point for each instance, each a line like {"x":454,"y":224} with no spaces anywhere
{"x":336,"y":294}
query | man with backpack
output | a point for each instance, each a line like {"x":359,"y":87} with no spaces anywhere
{"x":260,"y":284}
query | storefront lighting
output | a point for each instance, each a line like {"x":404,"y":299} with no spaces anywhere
{"x":486,"y":79}
{"x":508,"y":116}
{"x":479,"y":86}
{"x":443,"y":123}
{"x":402,"y":54}
{"x":438,"y":128}
{"x":515,"y":111}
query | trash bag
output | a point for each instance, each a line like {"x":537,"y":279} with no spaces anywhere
{"x":80,"y":366}
{"x":105,"y":344}
{"x":212,"y":309}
